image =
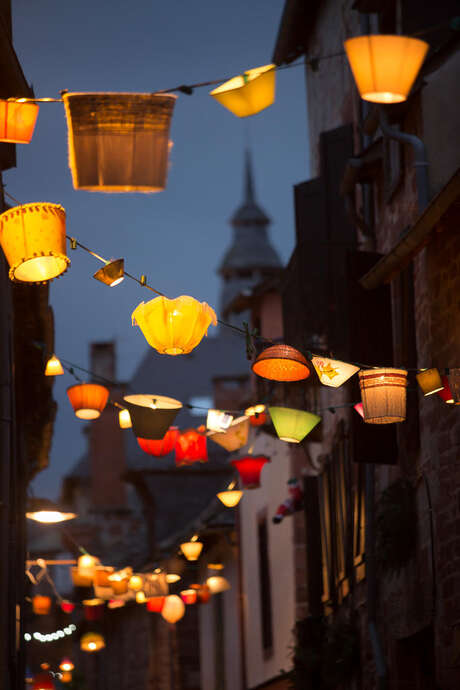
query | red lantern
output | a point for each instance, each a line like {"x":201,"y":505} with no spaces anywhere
{"x":93,"y":612}
{"x":191,"y":447}
{"x":249,"y":469}
{"x":155,"y":604}
{"x":67,"y":606}
{"x":257,"y":415}
{"x":446,"y":393}
{"x":43,"y":681}
{"x":189,"y":596}
{"x":161,"y":447}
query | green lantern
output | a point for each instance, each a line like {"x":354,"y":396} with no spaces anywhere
{"x":293,"y":425}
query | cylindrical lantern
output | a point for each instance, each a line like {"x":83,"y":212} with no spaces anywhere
{"x":124,"y":419}
{"x":230,"y":498}
{"x":385,"y":66}
{"x":118,"y":583}
{"x":93,"y":609}
{"x":33,"y":239}
{"x":191,"y":550}
{"x":41,"y":605}
{"x":257,"y":415}
{"x":92,"y":642}
{"x":161,"y":447}
{"x":281,"y":363}
{"x":191,"y":447}
{"x":383,"y":393}
{"x":17,"y":121}
{"x":293,"y":425}
{"x":87,"y":565}
{"x":67,"y":606}
{"x":80,"y":580}
{"x":333,"y":372}
{"x":155,"y":604}
{"x":249,"y":469}
{"x":53,"y":367}
{"x":235,"y":437}
{"x":173,"y":609}
{"x":429,"y":381}
{"x":88,"y":399}
{"x":43,"y":681}
{"x":217,"y":583}
{"x":102,"y":574}
{"x":119,"y":142}
{"x":152,"y":415}
{"x":248,"y":93}
{"x":188,"y":596}
{"x":174,"y":326}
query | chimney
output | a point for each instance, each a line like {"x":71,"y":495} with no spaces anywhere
{"x":102,"y":360}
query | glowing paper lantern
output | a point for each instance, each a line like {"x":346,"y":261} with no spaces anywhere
{"x":385,"y":66}
{"x":140,"y":597}
{"x":383,"y":393}
{"x":119,"y":142}
{"x":192,"y":550}
{"x":191,"y":447}
{"x":102,"y":574}
{"x":115,"y":604}
{"x":429,"y":381}
{"x":216,"y":566}
{"x":249,"y":469}
{"x":173,"y":609}
{"x":66,"y":677}
{"x":124,"y":419}
{"x":281,"y":363}
{"x":92,"y":642}
{"x":112,"y":273}
{"x":218,"y":420}
{"x":86,"y":565}
{"x":203,"y":593}
{"x":119,"y":583}
{"x":88,"y":399}
{"x":155,"y":604}
{"x":293,"y":425}
{"x":217,"y":584}
{"x":151,"y":415}
{"x":66,"y":665}
{"x":161,"y":447}
{"x":47,"y":512}
{"x":53,"y":367}
{"x":188,"y":596}
{"x":93,"y":609}
{"x":135,"y":582}
{"x":174,"y":326}
{"x":43,"y":681}
{"x":41,"y":605}
{"x":257,"y":415}
{"x":33,"y":239}
{"x":333,"y":372}
{"x":67,"y":606}
{"x":230,"y":498}
{"x":17,"y":121}
{"x":235,"y":437}
{"x":171,"y":578}
{"x":80,"y":580}
{"x":248,"y":93}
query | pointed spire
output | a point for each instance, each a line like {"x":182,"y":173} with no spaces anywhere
{"x":249,"y":196}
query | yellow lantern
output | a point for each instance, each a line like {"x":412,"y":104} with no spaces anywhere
{"x":140,"y":597}
{"x":383,"y":393}
{"x":216,"y":566}
{"x":235,"y":437}
{"x":86,"y":565}
{"x":191,"y":550}
{"x":230,"y":498}
{"x":333,"y":372}
{"x":248,"y":93}
{"x":66,"y":665}
{"x":33,"y":239}
{"x":174,"y":326}
{"x":88,"y":399}
{"x":53,"y":367}
{"x":92,"y":642}
{"x":119,"y":583}
{"x":293,"y":425}
{"x":124,"y":419}
{"x":119,"y":142}
{"x":217,"y":584}
{"x":429,"y":381}
{"x":80,"y":580}
{"x":135,"y":583}
{"x":171,"y":578}
{"x":173,"y":608}
{"x":17,"y":121}
{"x":112,"y":273}
{"x":385,"y":66}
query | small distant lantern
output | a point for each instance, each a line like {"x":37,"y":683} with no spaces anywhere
{"x":235,"y":437}
{"x":41,"y":605}
{"x":333,"y":372}
{"x":155,"y":604}
{"x":188,"y":596}
{"x":67,"y":606}
{"x":93,"y":609}
{"x":53,"y":367}
{"x":218,"y":565}
{"x":383,"y":393}
{"x":43,"y":681}
{"x":17,"y":121}
{"x":66,"y":677}
{"x":257,"y":415}
{"x":87,"y":566}
{"x":217,"y":420}
{"x":192,"y":550}
{"x":429,"y":381}
{"x":88,"y":399}
{"x":115,"y":604}
{"x":385,"y":66}
{"x":248,"y":93}
{"x":217,"y":584}
{"x":293,"y":425}
{"x":124,"y":419}
{"x":173,"y":609}
{"x":249,"y":468}
{"x":92,"y":642}
{"x":119,"y":142}
{"x":66,"y":665}
{"x":135,"y":582}
{"x":33,"y":239}
{"x":140,"y":597}
{"x":160,"y":448}
{"x":359,"y":409}
{"x":174,"y":326}
{"x":191,"y":447}
{"x":118,"y":583}
{"x":112,"y":273}
{"x":230,"y":498}
{"x":203,"y":593}
{"x":152,"y":415}
{"x":171,"y":578}
{"x":102,"y":574}
{"x":80,"y":580}
{"x":281,"y":363}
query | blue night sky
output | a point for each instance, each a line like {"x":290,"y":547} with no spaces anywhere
{"x":176,"y":237}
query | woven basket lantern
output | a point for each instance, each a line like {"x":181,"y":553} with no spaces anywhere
{"x":119,"y":142}
{"x":383,"y":393}
{"x":281,"y":363}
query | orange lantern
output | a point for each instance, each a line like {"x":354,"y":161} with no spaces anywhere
{"x":161,"y":447}
{"x":119,"y":583}
{"x":66,"y":665}
{"x":102,"y":574}
{"x":92,"y":642}
{"x":203,"y":593}
{"x":17,"y":121}
{"x":191,"y":447}
{"x":41,"y":605}
{"x":33,"y":240}
{"x":155,"y":604}
{"x":188,"y":596}
{"x":192,"y":549}
{"x":281,"y":363}
{"x":88,"y":399}
{"x":230,"y":498}
{"x":257,"y":415}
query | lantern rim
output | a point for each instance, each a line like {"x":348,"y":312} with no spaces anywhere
{"x":154,"y":402}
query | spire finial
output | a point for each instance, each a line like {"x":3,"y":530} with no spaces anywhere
{"x":249,"y":196}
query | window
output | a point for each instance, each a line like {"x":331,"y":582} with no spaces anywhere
{"x":266,"y":618}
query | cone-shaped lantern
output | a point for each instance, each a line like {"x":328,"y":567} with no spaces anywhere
{"x":88,"y":399}
{"x":33,"y":239}
{"x":293,"y":425}
{"x":217,"y":584}
{"x":152,"y":415}
{"x":235,"y":437}
{"x":53,"y":367}
{"x":189,"y":596}
{"x":92,"y":642}
{"x":192,"y":550}
{"x":230,"y":498}
{"x":359,"y":409}
{"x":281,"y":363}
{"x":385,"y":66}
{"x":248,"y":93}
{"x":383,"y":393}
{"x":155,"y":604}
{"x":191,"y":447}
{"x":17,"y":121}
{"x":124,"y":419}
{"x":429,"y":381}
{"x":161,"y":447}
{"x":249,"y":469}
{"x":174,"y":326}
{"x":333,"y":372}
{"x":257,"y":415}
{"x":119,"y":142}
{"x":112,"y":273}
{"x":173,"y":609}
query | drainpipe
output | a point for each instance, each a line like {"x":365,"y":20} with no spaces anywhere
{"x":420,"y":159}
